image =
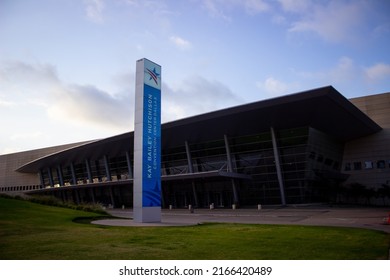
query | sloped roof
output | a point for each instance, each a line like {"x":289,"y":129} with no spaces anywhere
{"x":324,"y":109}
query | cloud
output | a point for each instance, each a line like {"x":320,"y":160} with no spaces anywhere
{"x":195,"y":95}
{"x":343,"y":75}
{"x":333,"y":21}
{"x":382,"y":30}
{"x":272,"y":87}
{"x":255,"y":6}
{"x":295,"y":6}
{"x":39,"y":87}
{"x":222,"y":8}
{"x":214,"y":9}
{"x":87,"y":107}
{"x":20,"y":74}
{"x":94,"y":10}
{"x":343,"y":72}
{"x":379,"y":71}
{"x":346,"y":70}
{"x":27,"y":135}
{"x":180,"y":42}
{"x":5,"y":103}
{"x":86,"y":104}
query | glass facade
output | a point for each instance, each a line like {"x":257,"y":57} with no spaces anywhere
{"x":308,"y":158}
{"x":230,"y":170}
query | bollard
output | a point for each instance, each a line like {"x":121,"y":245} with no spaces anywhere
{"x":170,"y":206}
{"x":123,"y":207}
{"x":211,"y":206}
{"x":233,"y":206}
{"x":258,"y":206}
{"x":191,"y":208}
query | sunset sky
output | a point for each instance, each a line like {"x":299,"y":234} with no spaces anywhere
{"x":67,"y":67}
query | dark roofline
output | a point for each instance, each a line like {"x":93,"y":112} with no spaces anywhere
{"x":323,"y":108}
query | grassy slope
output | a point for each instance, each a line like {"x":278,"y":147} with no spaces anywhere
{"x":33,"y":231}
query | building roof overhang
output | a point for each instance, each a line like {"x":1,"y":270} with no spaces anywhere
{"x":324,"y":109}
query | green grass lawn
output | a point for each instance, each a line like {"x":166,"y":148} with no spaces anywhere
{"x":33,"y":231}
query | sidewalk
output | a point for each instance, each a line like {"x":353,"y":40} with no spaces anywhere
{"x":369,"y":218}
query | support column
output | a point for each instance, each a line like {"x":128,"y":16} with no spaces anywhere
{"x":230,"y":169}
{"x":93,"y":195}
{"x":77,"y":196}
{"x":107,"y":167}
{"x":191,"y":170}
{"x":41,"y":178}
{"x":60,"y":176}
{"x":189,"y":158}
{"x":63,"y":196}
{"x":74,"y":178}
{"x":89,"y":173}
{"x":51,"y":181}
{"x":278,"y":167}
{"x":129,"y":167}
{"x":97,"y":168}
{"x":112,"y":196}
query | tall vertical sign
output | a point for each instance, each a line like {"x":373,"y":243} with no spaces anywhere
{"x":147,"y":143}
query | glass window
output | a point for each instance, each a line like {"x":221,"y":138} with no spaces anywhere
{"x":347,"y":166}
{"x":357,"y":165}
{"x":380,"y":164}
{"x":368,"y":164}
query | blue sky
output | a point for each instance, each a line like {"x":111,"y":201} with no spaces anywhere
{"x":67,"y":67}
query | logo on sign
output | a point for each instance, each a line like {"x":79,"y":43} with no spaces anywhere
{"x":153,"y":75}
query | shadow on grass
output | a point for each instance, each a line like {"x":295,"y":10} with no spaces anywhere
{"x":89,"y":220}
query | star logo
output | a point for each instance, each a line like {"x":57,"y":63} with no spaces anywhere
{"x":153,"y":75}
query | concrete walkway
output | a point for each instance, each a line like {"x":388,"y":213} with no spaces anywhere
{"x":370,"y":218}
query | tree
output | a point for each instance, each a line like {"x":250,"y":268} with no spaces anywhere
{"x":384,"y":192}
{"x":357,"y":191}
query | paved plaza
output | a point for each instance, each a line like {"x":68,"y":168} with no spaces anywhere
{"x":370,"y":218}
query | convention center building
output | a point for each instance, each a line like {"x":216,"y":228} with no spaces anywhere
{"x":295,"y":149}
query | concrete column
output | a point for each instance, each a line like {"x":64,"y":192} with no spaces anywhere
{"x":93,"y":195}
{"x":129,"y":167}
{"x":97,"y":167}
{"x":77,"y":196}
{"x":278,"y":167}
{"x":51,"y":181}
{"x":41,"y":178}
{"x":89,"y":172}
{"x":230,"y":169}
{"x":107,"y":167}
{"x":65,"y":195}
{"x":228,"y":155}
{"x":74,"y":178}
{"x":191,"y":170}
{"x":112,"y":196}
{"x":189,"y":158}
{"x":62,"y":196}
{"x":60,"y":176}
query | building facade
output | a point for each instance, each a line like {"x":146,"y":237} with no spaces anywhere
{"x":294,"y":149}
{"x":367,"y":159}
